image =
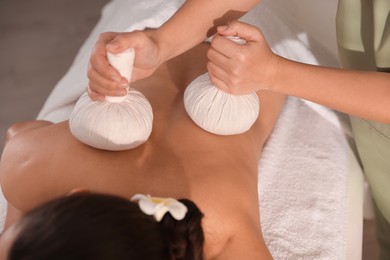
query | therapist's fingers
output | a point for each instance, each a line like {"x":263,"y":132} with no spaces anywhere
{"x":243,"y":30}
{"x":98,"y":60}
{"x":104,"y":86}
{"x":148,"y":54}
{"x":218,"y":77}
{"x":219,"y":66}
{"x":103,"y":78}
{"x":218,"y":58}
{"x":227,"y":47}
{"x":228,"y":55}
{"x":124,"y":41}
{"x":244,"y":68}
{"x":227,"y":82}
{"x":228,"y":64}
{"x":95,"y":96}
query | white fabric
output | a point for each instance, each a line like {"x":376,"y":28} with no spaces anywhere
{"x":117,"y":123}
{"x":304,"y":166}
{"x":3,"y":210}
{"x":112,"y":126}
{"x":303,"y":204}
{"x":219,"y":112}
{"x":123,"y":62}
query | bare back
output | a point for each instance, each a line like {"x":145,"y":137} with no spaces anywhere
{"x":179,"y":160}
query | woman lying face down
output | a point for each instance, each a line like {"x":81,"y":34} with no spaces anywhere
{"x":43,"y":161}
{"x":97,"y":226}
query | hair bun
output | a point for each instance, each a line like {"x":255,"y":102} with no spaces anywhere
{"x":185,"y":237}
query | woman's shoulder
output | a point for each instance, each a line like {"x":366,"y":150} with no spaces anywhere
{"x":31,"y":143}
{"x":231,"y":224}
{"x":24,"y":165}
{"x":234,"y":236}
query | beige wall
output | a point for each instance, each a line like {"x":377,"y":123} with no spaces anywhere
{"x":317,"y":17}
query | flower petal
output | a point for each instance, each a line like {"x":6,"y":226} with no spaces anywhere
{"x":160,"y":206}
{"x":147,"y":207}
{"x":178,"y":210}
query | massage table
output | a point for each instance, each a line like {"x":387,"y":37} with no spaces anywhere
{"x":310,"y":181}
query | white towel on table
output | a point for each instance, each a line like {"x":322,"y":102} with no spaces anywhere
{"x":303,"y":170}
{"x":304,"y":202}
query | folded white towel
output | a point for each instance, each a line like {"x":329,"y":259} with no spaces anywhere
{"x":3,"y":210}
{"x":303,"y":186}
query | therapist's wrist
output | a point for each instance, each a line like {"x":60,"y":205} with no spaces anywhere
{"x":164,"y":46}
{"x":272,"y":74}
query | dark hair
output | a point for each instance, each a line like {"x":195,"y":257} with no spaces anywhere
{"x":96,"y":226}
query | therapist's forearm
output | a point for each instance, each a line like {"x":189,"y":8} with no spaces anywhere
{"x":195,"y":21}
{"x":358,"y":93}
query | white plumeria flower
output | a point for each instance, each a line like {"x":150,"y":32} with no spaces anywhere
{"x":158,"y":207}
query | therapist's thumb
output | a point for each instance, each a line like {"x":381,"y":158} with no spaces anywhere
{"x":118,"y":44}
{"x":242,"y":30}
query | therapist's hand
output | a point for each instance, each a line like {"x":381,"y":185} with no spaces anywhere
{"x":241,"y":69}
{"x":104,"y":80}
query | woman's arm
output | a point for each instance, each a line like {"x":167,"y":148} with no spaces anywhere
{"x":13,"y":213}
{"x":190,"y":25}
{"x":254,"y":66}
